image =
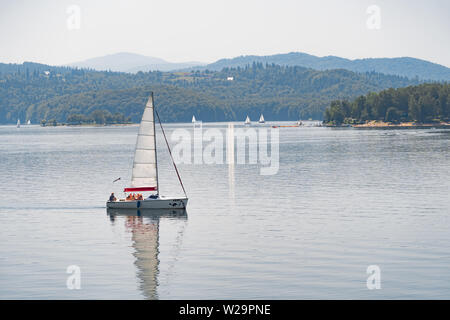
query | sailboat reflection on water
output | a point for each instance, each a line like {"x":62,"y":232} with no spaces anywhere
{"x":144,"y":228}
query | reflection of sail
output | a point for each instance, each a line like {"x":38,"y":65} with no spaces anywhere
{"x":144,"y":228}
{"x":145,"y":234}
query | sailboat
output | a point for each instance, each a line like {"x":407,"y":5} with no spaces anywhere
{"x":261,"y":119}
{"x":145,"y":169}
{"x":193,"y":119}
{"x":18,"y":123}
{"x":247,"y":121}
{"x":29,"y":122}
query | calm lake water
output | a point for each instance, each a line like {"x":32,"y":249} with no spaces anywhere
{"x":342,"y":200}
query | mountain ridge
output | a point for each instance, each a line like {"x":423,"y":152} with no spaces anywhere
{"x":402,"y":66}
{"x":131,"y":63}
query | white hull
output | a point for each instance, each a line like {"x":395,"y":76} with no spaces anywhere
{"x":180,"y":213}
{"x":160,"y":203}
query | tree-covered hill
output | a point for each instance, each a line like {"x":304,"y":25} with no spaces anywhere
{"x":38,"y":92}
{"x":429,"y":102}
{"x":403,"y":66}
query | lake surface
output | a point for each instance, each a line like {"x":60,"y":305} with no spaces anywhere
{"x":342,"y":200}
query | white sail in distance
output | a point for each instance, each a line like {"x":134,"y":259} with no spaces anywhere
{"x":145,"y":171}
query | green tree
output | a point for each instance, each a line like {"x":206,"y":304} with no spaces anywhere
{"x":392,"y":115}
{"x":98,"y":116}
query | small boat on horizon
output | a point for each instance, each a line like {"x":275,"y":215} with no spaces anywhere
{"x":28,"y":122}
{"x":261,"y":119}
{"x":247,"y":121}
{"x":193,"y":119}
{"x":18,"y":123}
{"x":144,"y":176}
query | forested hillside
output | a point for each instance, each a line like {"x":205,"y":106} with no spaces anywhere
{"x":404,"y":66}
{"x":425,"y":103}
{"x":39,"y":92}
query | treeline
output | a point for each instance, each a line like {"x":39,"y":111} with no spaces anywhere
{"x":98,"y":117}
{"x":424,"y":103}
{"x":39,"y":92}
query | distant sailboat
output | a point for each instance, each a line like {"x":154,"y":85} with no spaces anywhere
{"x":247,"y":121}
{"x":145,"y":169}
{"x":261,"y":119}
{"x":29,"y":122}
{"x":196,"y":123}
{"x":18,"y":123}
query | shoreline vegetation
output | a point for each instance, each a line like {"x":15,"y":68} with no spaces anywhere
{"x":374,"y":124}
{"x":89,"y":124}
{"x":281,"y":93}
{"x":402,"y":125}
{"x":423,"y":106}
{"x":95,"y":118}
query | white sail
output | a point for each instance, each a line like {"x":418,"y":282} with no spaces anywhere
{"x":261,"y":119}
{"x":29,"y":122}
{"x":193,"y":119}
{"x":247,"y":120}
{"x":18,"y":123}
{"x":145,"y":171}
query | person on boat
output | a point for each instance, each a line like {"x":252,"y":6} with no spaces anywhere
{"x":112,"y":198}
{"x":130,"y":197}
{"x":140,"y":197}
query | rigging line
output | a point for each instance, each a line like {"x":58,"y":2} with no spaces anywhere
{"x":170,"y":152}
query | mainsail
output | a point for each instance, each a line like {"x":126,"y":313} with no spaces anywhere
{"x":261,"y":119}
{"x":193,"y":119}
{"x":145,"y":173}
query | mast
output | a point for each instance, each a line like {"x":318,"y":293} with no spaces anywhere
{"x":156,"y":153}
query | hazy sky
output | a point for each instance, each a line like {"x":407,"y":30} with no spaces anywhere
{"x":47,"y":31}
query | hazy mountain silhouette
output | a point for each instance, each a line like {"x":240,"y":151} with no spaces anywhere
{"x":131,"y":62}
{"x":405,"y":66}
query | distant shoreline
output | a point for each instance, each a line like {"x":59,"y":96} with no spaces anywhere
{"x":387,"y":125}
{"x":98,"y":125}
{"x":89,"y":125}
